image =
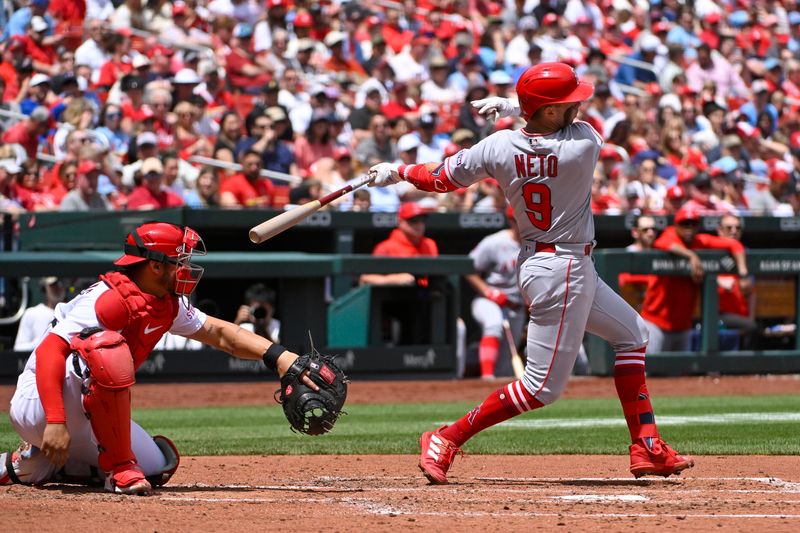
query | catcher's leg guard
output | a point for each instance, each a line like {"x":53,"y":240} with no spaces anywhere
{"x":172,"y":458}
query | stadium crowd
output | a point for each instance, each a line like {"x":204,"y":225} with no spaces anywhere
{"x":141,"y":104}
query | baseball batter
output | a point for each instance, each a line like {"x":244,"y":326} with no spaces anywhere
{"x":495,"y":260}
{"x":72,"y":405}
{"x":545,"y":170}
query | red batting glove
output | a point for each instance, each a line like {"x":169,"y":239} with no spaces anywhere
{"x":497,"y":296}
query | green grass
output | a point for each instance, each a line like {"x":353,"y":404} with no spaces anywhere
{"x":585,"y":427}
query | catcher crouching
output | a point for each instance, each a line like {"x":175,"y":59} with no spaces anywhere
{"x":72,"y":404}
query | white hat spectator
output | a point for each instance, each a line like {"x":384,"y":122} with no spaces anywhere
{"x":186,"y":76}
{"x":206,"y":67}
{"x":146,"y":137}
{"x":649,"y":43}
{"x":500,"y":77}
{"x":527,"y":23}
{"x":39,"y":78}
{"x":140,"y":61}
{"x":335,"y":37}
{"x":38,"y":24}
{"x":672,"y":101}
{"x":10,"y":166}
{"x":152,"y":166}
{"x":407,"y":142}
{"x":760,"y":86}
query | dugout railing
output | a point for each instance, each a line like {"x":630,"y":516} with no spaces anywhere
{"x":305,"y":291}
{"x":775,"y":264}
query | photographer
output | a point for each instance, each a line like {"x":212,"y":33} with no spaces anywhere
{"x":257,"y":313}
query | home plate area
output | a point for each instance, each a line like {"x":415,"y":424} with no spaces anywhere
{"x":382,"y":493}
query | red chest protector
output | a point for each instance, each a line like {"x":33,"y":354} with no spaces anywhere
{"x":140,"y":317}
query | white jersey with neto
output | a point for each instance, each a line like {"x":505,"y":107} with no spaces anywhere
{"x":547,"y":178}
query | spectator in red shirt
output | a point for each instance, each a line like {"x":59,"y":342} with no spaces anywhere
{"x":335,"y":41}
{"x":117,"y":46}
{"x":152,"y":194}
{"x":248,"y":188}
{"x":44,"y":56}
{"x":241,"y":69}
{"x":26,"y":132}
{"x":670,"y":300}
{"x":407,"y":240}
{"x":735,"y":297}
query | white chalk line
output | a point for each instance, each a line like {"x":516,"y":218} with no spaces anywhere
{"x":684,"y":420}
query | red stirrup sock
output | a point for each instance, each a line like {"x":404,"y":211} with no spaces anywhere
{"x":504,"y":403}
{"x":488,"y":350}
{"x":633,"y":395}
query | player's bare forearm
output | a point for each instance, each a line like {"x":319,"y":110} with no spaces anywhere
{"x":741,"y":263}
{"x":231,"y":338}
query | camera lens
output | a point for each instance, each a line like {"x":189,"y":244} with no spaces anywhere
{"x":259,"y":313}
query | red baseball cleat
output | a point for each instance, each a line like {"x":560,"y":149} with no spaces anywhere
{"x":128,"y":479}
{"x":656,"y":458}
{"x":437,"y":456}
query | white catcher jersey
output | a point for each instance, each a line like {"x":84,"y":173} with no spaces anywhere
{"x":547,"y":179}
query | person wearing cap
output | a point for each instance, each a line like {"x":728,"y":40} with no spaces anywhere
{"x":240,"y":68}
{"x":19,"y":21}
{"x":704,"y":198}
{"x":516,"y":52}
{"x":670,"y":301}
{"x":152,"y":193}
{"x":27,"y":132}
{"x":439,"y":89}
{"x":8,"y":179}
{"x":407,"y":147}
{"x":759,"y":104}
{"x":35,"y":320}
{"x":338,"y":61}
{"x":646,"y":51}
{"x":40,"y":48}
{"x":407,"y":240}
{"x":431,"y":146}
{"x":146,"y":144}
{"x":409,"y":65}
{"x":265,"y":138}
{"x":38,"y":93}
{"x":498,"y":297}
{"x":248,"y":188}
{"x":84,"y":197}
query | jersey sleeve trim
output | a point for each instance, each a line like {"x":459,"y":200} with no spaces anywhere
{"x":600,"y":138}
{"x":448,"y":174}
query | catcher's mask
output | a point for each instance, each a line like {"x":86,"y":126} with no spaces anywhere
{"x":167,"y":243}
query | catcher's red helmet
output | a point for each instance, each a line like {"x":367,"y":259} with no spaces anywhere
{"x":550,"y":83}
{"x":166,"y":243}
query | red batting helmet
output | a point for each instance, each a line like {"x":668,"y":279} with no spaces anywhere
{"x":550,"y":83}
{"x":166,"y":243}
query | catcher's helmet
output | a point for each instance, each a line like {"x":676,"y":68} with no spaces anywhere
{"x":166,"y":243}
{"x":550,"y":83}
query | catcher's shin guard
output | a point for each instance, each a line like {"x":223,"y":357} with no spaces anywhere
{"x":109,"y":414}
{"x":172,"y":458}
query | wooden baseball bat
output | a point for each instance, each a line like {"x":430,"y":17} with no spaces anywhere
{"x":292,"y":217}
{"x":516,"y":360}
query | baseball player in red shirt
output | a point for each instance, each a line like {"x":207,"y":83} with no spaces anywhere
{"x":72,"y":405}
{"x":545,"y":171}
{"x":670,"y":300}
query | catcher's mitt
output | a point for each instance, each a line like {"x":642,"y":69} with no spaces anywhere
{"x":309,"y":411}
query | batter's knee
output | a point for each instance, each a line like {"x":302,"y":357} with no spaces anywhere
{"x":638,"y":338}
{"x":546,"y":394}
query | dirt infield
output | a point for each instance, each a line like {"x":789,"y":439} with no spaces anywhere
{"x":381,"y":493}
